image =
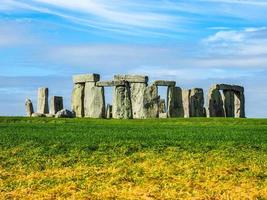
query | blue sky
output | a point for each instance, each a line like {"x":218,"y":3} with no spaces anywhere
{"x":195,"y":42}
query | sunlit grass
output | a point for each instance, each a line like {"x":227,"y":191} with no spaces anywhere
{"x":133,"y":159}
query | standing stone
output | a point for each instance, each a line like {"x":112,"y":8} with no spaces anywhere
{"x":186,"y":102}
{"x":175,"y":102}
{"x":77,"y":100}
{"x":56,"y":104}
{"x":239,"y":105}
{"x":109,"y":111}
{"x":215,"y":103}
{"x":151,"y":102}
{"x":29,"y":107}
{"x":196,"y":104}
{"x":42,"y":101}
{"x":229,"y":103}
{"x":94,"y":101}
{"x":162,"y":106}
{"x":137,"y":98}
{"x":122,"y":107}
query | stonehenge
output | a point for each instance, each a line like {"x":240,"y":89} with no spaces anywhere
{"x":134,"y":98}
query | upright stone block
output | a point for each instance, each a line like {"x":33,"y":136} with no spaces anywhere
{"x":109,"y":111}
{"x":83,"y":78}
{"x":229,"y":103}
{"x":186,"y":102}
{"x":77,"y":100}
{"x":162,"y":106}
{"x":196,"y":104}
{"x":151,"y":102}
{"x":215,"y":103}
{"x":42,"y":101}
{"x":29,"y":108}
{"x":175,"y":102}
{"x":122,"y":106}
{"x":94,"y":101}
{"x":56,"y":104}
{"x":137,"y":99}
{"x":239,"y":99}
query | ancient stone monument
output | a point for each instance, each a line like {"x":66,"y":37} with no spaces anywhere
{"x":134,"y":98}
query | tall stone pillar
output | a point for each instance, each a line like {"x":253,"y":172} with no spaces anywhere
{"x":29,"y":108}
{"x":162,"y":106}
{"x":151,"y":102}
{"x":196,"y":104}
{"x":229,"y":103}
{"x":215,"y":103}
{"x":42,"y":101}
{"x":56,"y":104}
{"x":186,"y":102}
{"x":77,"y":100}
{"x":122,"y":106}
{"x":239,"y":99}
{"x":175,"y":102}
{"x":109,"y":111}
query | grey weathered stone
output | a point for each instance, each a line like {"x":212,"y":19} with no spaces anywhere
{"x":151,"y":102}
{"x":56,"y":104}
{"x":42,"y":101}
{"x":122,"y":106}
{"x":64,"y":113}
{"x":164,"y":83}
{"x":162,"y":106}
{"x":239,"y":99}
{"x":29,"y":107}
{"x":236,"y":88}
{"x":77,"y":100}
{"x":215,"y":103}
{"x":137,"y":99}
{"x":186,"y":102}
{"x":229,"y":103}
{"x":50,"y":115}
{"x":196,"y":104}
{"x":175,"y":102}
{"x":132,"y":78}
{"x":94,"y":101}
{"x":163,"y":115}
{"x":38,"y":115}
{"x":109,"y":111}
{"x":110,"y":83}
{"x":82,"y":78}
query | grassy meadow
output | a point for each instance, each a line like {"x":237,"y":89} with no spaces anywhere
{"x":198,"y":158}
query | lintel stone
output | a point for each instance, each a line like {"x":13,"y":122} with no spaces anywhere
{"x":132,"y":78}
{"x":235,"y":88}
{"x":82,"y":78}
{"x":110,"y":83}
{"x":164,"y":83}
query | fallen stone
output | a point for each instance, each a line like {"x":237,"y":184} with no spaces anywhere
{"x":132,"y":78}
{"x":77,"y":100}
{"x":164,"y":83}
{"x":50,"y":115}
{"x":122,"y":107}
{"x":229,"y":103}
{"x":42,"y":101}
{"x":215,"y":103}
{"x":109,"y":111}
{"x":38,"y":115}
{"x":151,"y":102}
{"x":137,"y":99}
{"x":64,"y":114}
{"x":94,"y":101}
{"x":162,"y":106}
{"x":56,"y":104}
{"x":110,"y":83}
{"x":163,"y":115}
{"x":83,"y":78}
{"x":175,"y":102}
{"x":186,"y":102}
{"x":29,"y":107}
{"x":196,"y":103}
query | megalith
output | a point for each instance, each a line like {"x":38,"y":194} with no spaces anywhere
{"x":186,"y":102}
{"x":196,"y":104}
{"x":162,"y":106}
{"x":42,"y":101}
{"x":56,"y":104}
{"x":109,"y":111}
{"x":29,"y":107}
{"x":122,"y":107}
{"x":175,"y":102}
{"x":215,"y":103}
{"x":151,"y":102}
{"x":229,"y":103}
{"x":77,"y":100}
{"x":239,"y":102}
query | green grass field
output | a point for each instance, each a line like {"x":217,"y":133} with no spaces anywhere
{"x":197,"y":158}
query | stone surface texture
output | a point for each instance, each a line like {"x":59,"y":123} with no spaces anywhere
{"x":64,"y":114}
{"x":186,"y":102}
{"x":229,"y":103}
{"x":82,"y":78}
{"x":164,"y":83}
{"x":175,"y":102}
{"x":151,"y":102}
{"x":162,"y":106}
{"x":137,"y":99}
{"x":163,"y":115}
{"x":109,"y":111}
{"x":132,"y":78}
{"x":38,"y":115}
{"x":56,"y":104}
{"x":29,"y":107}
{"x":42,"y":101}
{"x":239,"y":102}
{"x":77,"y":100}
{"x":196,"y":104}
{"x":215,"y":103}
